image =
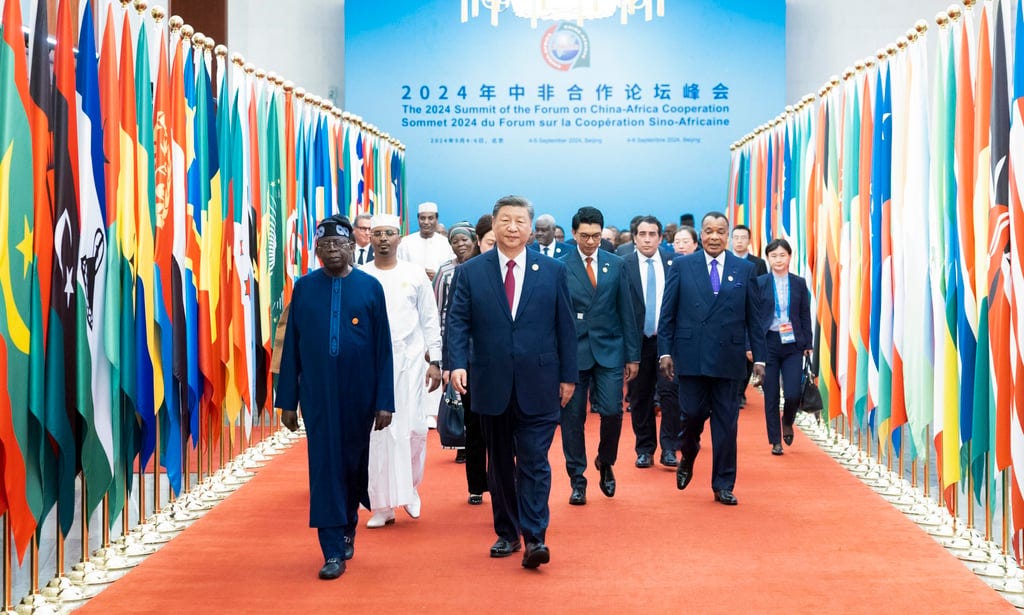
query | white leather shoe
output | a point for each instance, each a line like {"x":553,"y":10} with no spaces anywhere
{"x":380,"y":518}
{"x":413,"y":508}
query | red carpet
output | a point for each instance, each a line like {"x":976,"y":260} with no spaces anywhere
{"x":806,"y":537}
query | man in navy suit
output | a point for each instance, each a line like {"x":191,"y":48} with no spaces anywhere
{"x":711,"y":307}
{"x":608,"y":348}
{"x":646,"y":271}
{"x":544,"y":233}
{"x":511,"y":324}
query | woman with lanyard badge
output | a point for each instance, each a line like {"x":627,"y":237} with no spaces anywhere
{"x":785,"y":300}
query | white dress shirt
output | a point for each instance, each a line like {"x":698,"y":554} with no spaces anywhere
{"x":518,"y":272}
{"x":721,"y":263}
{"x":659,"y":281}
{"x":547,"y":250}
{"x":593,"y":263}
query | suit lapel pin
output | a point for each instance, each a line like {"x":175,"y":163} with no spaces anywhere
{"x":730,"y":278}
{"x":669,"y":263}
{"x":535,"y":267}
{"x":604,"y":269}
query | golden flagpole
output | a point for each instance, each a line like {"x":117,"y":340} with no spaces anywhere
{"x":8,"y":583}
{"x":85,"y":522}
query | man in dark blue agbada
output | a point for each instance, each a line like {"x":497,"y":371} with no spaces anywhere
{"x":336,"y":364}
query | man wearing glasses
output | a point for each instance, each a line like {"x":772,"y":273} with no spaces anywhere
{"x":361,"y":233}
{"x":398,"y":453}
{"x":336,"y":362}
{"x":608,"y":352}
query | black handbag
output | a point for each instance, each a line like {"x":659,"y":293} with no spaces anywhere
{"x":810,"y":395}
{"x":451,"y":419}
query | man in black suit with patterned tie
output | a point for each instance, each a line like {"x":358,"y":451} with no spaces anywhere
{"x":710,"y":309}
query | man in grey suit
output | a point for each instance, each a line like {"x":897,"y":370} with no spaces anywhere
{"x":711,"y":307}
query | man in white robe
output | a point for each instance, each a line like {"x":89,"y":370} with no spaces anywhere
{"x":426,"y":248}
{"x":398,"y":453}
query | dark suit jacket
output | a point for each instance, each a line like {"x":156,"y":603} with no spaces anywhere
{"x":530,"y":355}
{"x":636,"y":288}
{"x":625,"y":249}
{"x":561,"y":249}
{"x":799,"y":307}
{"x":606,"y":331}
{"x":705,"y":333}
{"x":760,"y":267}
{"x":369,"y":254}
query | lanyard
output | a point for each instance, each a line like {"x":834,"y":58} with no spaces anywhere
{"x":778,"y":301}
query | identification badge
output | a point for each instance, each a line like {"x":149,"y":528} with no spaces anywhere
{"x":579,"y":315}
{"x":786,"y":335}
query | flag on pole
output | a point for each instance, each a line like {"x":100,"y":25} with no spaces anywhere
{"x":93,"y":367}
{"x":20,"y":470}
{"x":63,"y":423}
{"x":165,"y":279}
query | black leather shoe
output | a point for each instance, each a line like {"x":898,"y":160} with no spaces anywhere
{"x":643,"y":460}
{"x":607,"y":483}
{"x":787,"y":434}
{"x":460,"y":456}
{"x":332,"y":569}
{"x":476,"y":499}
{"x":743,"y":401}
{"x":776,"y":449}
{"x":578,"y":497}
{"x":504,"y":548}
{"x":669,"y":459}
{"x":536,"y":553}
{"x":726,"y":497}
{"x":350,"y":548}
{"x":684,"y":472}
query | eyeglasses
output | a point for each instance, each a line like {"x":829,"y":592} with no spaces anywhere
{"x":363,"y":228}
{"x":335,"y":244}
{"x":387,"y":233}
{"x":589,"y":236}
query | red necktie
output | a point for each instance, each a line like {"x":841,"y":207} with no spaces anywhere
{"x":590,"y":272}
{"x":510,"y":284}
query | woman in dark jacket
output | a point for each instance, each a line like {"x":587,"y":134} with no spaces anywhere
{"x":786,"y":310}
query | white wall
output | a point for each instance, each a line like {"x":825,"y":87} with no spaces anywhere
{"x":823,"y":37}
{"x":303,"y":41}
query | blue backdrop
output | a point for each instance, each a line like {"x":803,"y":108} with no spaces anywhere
{"x":632,"y":118}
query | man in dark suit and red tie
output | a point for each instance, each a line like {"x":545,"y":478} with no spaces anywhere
{"x":711,"y":307}
{"x":511,"y":325}
{"x":608,"y":352}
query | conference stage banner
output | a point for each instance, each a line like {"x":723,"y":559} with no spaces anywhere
{"x":632,"y":118}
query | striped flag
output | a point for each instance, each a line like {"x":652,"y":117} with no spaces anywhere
{"x":1016,"y":206}
{"x":18,"y":283}
{"x":918,"y":333}
{"x":982,"y":207}
{"x":165,"y":278}
{"x":94,"y":394}
{"x":63,"y":422}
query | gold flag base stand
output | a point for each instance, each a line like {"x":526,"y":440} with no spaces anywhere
{"x":983,"y":557}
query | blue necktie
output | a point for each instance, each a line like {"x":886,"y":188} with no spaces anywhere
{"x":651,"y":299}
{"x":716,"y":281}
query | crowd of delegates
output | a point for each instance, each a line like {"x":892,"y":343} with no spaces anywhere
{"x":666,"y":315}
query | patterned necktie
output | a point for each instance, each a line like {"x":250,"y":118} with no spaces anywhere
{"x":590,"y":271}
{"x":716,"y":281}
{"x":651,"y":299}
{"x":510,"y":284}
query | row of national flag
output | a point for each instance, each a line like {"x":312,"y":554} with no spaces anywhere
{"x":157,"y":202}
{"x":901,"y":188}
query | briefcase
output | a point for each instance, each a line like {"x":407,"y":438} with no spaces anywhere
{"x":451,"y":419}
{"x":810,"y":396}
